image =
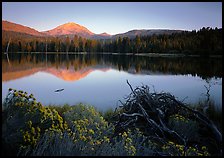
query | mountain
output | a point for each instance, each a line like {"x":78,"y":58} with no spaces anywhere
{"x":70,"y":29}
{"x":62,"y":73}
{"x":13,"y":27}
{"x":69,"y":75}
{"x":17,"y":74}
{"x":102,"y":36}
{"x":133,"y":33}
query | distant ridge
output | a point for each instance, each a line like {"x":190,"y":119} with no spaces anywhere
{"x":143,"y":32}
{"x":9,"y":26}
{"x":70,"y":29}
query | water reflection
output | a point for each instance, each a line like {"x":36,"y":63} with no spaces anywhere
{"x":203,"y":67}
{"x":101,"y":79}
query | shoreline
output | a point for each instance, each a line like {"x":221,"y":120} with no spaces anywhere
{"x":127,"y":54}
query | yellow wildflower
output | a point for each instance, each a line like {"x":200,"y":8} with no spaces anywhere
{"x":199,"y":154}
{"x":106,"y":139}
{"x":171,"y":142}
{"x":128,"y":140}
{"x":133,"y":149}
{"x":124,"y":134}
{"x":38,"y":129}
{"x":203,"y":148}
{"x":33,"y":130}
{"x":98,"y":142}
{"x":29,"y":123}
{"x":91,"y":131}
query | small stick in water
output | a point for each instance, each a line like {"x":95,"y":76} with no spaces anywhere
{"x":59,"y":90}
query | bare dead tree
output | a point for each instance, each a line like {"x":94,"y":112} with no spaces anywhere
{"x":7,"y":49}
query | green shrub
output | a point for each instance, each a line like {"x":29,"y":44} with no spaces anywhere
{"x":172,"y":149}
{"x":54,"y":143}
{"x":185,"y":127}
{"x":89,"y":128}
{"x":60,"y":109}
{"x":110,"y":115}
{"x":25,"y":120}
{"x":89,"y":134}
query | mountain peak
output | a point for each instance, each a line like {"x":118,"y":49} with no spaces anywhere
{"x":69,"y":23}
{"x":105,"y":34}
{"x":70,"y":28}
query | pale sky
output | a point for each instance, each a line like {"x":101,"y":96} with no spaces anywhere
{"x":115,"y":17}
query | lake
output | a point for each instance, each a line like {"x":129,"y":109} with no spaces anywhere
{"x":100,"y":79}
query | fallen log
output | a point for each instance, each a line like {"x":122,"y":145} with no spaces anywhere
{"x":59,"y":90}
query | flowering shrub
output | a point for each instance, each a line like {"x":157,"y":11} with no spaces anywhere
{"x":89,"y":130}
{"x":87,"y":134}
{"x":184,"y":126}
{"x":29,"y":128}
{"x":25,"y":120}
{"x":32,"y":129}
{"x":173,"y":149}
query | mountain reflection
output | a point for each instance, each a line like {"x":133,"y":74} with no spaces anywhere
{"x":70,"y":75}
{"x":64,"y":74}
{"x":73,"y":67}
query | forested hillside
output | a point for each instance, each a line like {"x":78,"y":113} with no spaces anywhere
{"x":203,"y":42}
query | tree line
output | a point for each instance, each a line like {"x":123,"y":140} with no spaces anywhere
{"x":204,"y":41}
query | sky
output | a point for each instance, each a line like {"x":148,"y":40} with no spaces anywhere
{"x":115,"y":17}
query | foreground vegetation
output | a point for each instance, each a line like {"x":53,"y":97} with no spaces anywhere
{"x":29,"y":128}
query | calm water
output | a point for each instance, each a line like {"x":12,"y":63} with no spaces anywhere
{"x":100,"y":80}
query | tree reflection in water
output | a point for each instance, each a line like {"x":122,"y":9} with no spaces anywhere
{"x":196,"y":66}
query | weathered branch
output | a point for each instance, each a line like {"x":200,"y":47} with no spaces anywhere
{"x":152,"y":112}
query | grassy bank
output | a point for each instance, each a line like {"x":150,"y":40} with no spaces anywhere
{"x":29,"y":128}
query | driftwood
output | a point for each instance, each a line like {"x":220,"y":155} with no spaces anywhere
{"x":150,"y":113}
{"x":59,"y":90}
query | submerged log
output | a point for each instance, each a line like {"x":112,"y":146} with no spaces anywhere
{"x":151,"y":113}
{"x":59,"y":90}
